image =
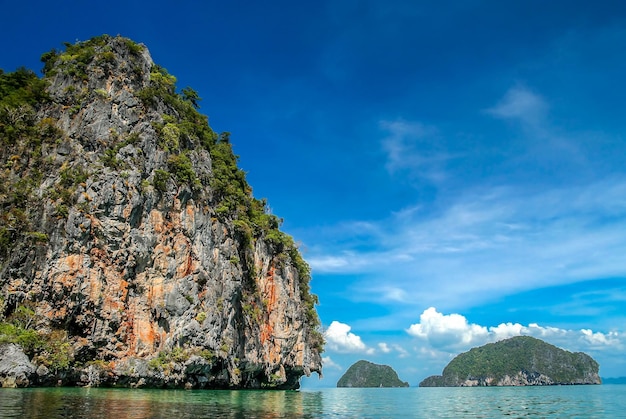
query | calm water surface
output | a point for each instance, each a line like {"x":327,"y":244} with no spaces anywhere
{"x":605,"y":401}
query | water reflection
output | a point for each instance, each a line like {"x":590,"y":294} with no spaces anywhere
{"x":545,"y":402}
{"x":151,"y":404}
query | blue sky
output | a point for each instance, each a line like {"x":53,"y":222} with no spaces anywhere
{"x":454,"y":173}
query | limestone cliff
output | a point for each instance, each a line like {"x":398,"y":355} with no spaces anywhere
{"x":132,"y":252}
{"x":518,"y":361}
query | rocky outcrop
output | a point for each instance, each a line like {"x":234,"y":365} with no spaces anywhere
{"x":16,"y":370}
{"x":518,"y":361}
{"x":143,"y":258}
{"x":367,"y":374}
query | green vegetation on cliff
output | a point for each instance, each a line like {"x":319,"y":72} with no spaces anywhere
{"x":521,"y":360}
{"x":21,"y":156}
{"x":367,"y":374}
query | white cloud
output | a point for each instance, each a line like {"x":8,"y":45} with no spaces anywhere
{"x":447,"y":331}
{"x":452,"y":332}
{"x":340,"y":339}
{"x":601,"y":339}
{"x":327,"y":362}
{"x":384,"y":347}
{"x":506,"y":330}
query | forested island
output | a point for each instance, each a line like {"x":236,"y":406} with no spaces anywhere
{"x":518,"y":361}
{"x":367,"y":374}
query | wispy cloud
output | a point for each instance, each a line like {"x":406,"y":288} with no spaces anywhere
{"x":402,"y":353}
{"x":541,"y":217}
{"x":327,"y":362}
{"x":523,"y":105}
{"x":543,"y":143}
{"x":491,"y":242}
{"x":330,"y":263}
{"x":437,"y":337}
{"x":386,"y":348}
{"x":476,"y":234}
{"x":415,"y":148}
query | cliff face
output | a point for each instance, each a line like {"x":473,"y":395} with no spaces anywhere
{"x":518,"y":361}
{"x":367,"y":374}
{"x":135,"y":249}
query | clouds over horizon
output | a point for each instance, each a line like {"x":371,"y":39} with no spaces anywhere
{"x":544,"y":217}
{"x":340,"y":339}
{"x":440,"y":336}
{"x":453,"y":333}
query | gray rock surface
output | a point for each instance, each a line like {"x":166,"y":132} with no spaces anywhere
{"x":16,"y":370}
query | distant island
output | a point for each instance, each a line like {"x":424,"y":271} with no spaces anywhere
{"x":518,"y":361}
{"x":367,"y":374}
{"x":614,"y":380}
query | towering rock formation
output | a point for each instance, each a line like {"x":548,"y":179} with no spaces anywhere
{"x":132,"y":252}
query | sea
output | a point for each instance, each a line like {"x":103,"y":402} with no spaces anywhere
{"x":601,"y":401}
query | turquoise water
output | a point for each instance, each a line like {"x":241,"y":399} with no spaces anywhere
{"x":605,"y":401}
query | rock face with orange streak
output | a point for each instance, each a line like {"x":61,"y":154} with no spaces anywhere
{"x":159,"y":267}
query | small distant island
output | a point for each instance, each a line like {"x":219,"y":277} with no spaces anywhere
{"x":614,"y":380}
{"x":367,"y":374}
{"x":518,"y":361}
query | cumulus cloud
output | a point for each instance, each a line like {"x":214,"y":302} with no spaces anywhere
{"x":447,"y":331}
{"x":452,"y":332}
{"x":506,"y":330}
{"x":340,"y":339}
{"x":601,"y":339}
